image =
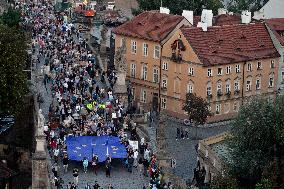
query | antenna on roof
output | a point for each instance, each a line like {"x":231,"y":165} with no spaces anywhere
{"x":161,"y":3}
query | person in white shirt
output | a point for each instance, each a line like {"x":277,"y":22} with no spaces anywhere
{"x":135,"y":156}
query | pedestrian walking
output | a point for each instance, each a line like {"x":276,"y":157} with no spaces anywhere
{"x":85,"y":164}
{"x":178,"y":134}
{"x":135,"y":157}
{"x":108,"y":168}
{"x":65,"y":161}
{"x":95,"y":161}
{"x":76,"y":176}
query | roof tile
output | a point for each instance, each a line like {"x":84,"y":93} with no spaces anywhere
{"x":149,"y":25}
{"x":231,"y":43}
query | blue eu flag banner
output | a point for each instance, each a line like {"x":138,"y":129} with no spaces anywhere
{"x":87,"y":146}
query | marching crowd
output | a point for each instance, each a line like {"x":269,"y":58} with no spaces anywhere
{"x":83,"y":102}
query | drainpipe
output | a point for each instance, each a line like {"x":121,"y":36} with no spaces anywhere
{"x":243,"y":85}
{"x":160,"y":79}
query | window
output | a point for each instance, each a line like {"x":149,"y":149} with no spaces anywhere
{"x":272,"y":64}
{"x":218,"y":108}
{"x":164,"y":103}
{"x":144,"y":72}
{"x":165,"y":66}
{"x":121,"y":41}
{"x":220,"y":71}
{"x":143,"y":96}
{"x":155,"y":75}
{"x":271,"y":81}
{"x":249,"y":67}
{"x":238,"y":68}
{"x":228,"y":70}
{"x":157,"y":51}
{"x":145,"y":49}
{"x":209,"y":89}
{"x":282,"y":75}
{"x":133,"y":93}
{"x":133,"y":70}
{"x":209,"y":72}
{"x":228,"y":87}
{"x":190,"y":88}
{"x":258,"y":84}
{"x":190,"y":71}
{"x":259,"y":65}
{"x":164,"y":83}
{"x":237,"y":85}
{"x":133,"y":47}
{"x":248,"y":85}
{"x":219,"y":87}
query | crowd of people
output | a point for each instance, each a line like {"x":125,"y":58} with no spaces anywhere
{"x":83,"y":101}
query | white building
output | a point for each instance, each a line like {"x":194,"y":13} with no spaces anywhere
{"x":272,"y":9}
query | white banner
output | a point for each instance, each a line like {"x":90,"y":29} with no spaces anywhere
{"x":134,"y":144}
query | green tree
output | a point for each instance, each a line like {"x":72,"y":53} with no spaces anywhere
{"x":177,"y":6}
{"x":197,"y":109}
{"x":13,"y":85}
{"x":11,"y":17}
{"x":257,"y":138}
{"x":251,"y":5}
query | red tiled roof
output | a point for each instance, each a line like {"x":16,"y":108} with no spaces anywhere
{"x":226,"y":19}
{"x":220,"y":20}
{"x":230,"y":43}
{"x":149,"y":25}
{"x":277,"y":26}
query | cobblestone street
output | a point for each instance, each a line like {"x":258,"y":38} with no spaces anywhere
{"x":183,"y":150}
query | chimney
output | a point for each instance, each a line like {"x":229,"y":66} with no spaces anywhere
{"x":202,"y":25}
{"x":164,"y":10}
{"x":246,"y":17}
{"x":207,"y":17}
{"x":222,"y":11}
{"x":188,"y":15}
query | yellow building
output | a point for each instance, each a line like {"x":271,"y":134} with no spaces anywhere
{"x":167,"y":57}
{"x":145,"y":36}
{"x":226,"y":65}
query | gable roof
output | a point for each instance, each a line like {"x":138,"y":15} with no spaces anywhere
{"x":230,"y":43}
{"x":149,"y":25}
{"x":277,"y":26}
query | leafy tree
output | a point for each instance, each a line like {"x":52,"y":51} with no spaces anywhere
{"x":177,"y":6}
{"x":257,"y":138}
{"x":11,"y":17}
{"x":225,"y":181}
{"x":13,"y":85}
{"x":240,"y":5}
{"x":197,"y":109}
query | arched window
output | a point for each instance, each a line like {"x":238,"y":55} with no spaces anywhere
{"x":219,"y":87}
{"x":228,"y":86}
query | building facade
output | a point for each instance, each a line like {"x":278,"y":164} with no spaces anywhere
{"x":227,"y":65}
{"x":145,"y":36}
{"x":276,"y":30}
